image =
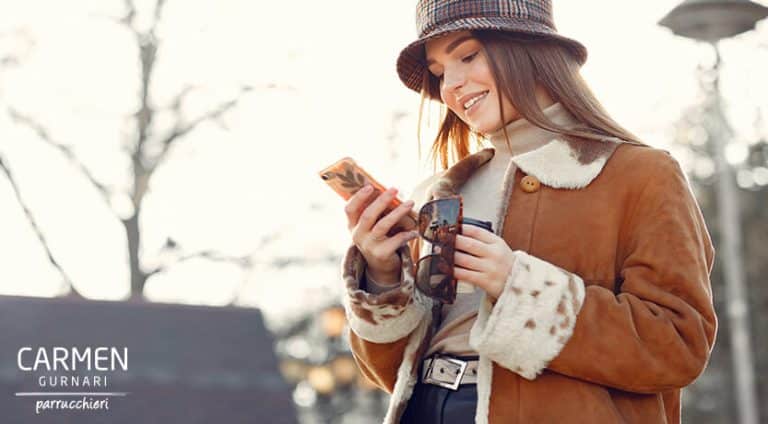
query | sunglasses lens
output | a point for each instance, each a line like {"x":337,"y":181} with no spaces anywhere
{"x":438,"y":217}
{"x":434,"y":277}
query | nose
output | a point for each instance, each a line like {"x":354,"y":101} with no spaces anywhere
{"x":452,"y":81}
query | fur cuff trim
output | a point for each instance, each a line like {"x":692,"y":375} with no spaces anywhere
{"x":385,"y":317}
{"x":533,"y":318}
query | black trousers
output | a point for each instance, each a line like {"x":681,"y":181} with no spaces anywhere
{"x":432,"y":404}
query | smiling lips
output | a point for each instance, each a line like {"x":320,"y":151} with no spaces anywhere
{"x":473,"y":100}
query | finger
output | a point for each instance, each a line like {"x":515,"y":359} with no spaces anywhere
{"x":354,"y":206}
{"x":472,"y":277}
{"x":469,"y":262}
{"x":375,"y":209}
{"x":398,"y":240}
{"x":383,"y":226}
{"x":386,"y":248}
{"x":471,"y":246}
{"x":478,"y":233}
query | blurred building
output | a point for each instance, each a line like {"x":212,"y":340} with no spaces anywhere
{"x":186,"y":364}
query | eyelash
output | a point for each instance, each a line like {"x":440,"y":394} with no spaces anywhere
{"x":469,"y":58}
{"x":465,"y":59}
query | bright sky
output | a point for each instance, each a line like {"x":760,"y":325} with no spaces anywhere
{"x":333,"y":64}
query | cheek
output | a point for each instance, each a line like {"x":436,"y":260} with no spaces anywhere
{"x":444,"y":96}
{"x":480,"y":72}
{"x":510,"y":112}
{"x":458,"y":110}
{"x":451,"y":103}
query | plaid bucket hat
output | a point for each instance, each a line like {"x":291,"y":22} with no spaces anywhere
{"x":435,"y":18}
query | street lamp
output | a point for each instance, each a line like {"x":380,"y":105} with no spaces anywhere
{"x":711,"y":21}
{"x":707,"y":20}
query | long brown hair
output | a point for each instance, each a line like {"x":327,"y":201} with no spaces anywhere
{"x":518,"y":62}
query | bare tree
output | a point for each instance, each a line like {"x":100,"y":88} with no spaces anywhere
{"x":147,"y":150}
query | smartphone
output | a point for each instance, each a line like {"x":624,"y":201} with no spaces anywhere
{"x":346,"y":177}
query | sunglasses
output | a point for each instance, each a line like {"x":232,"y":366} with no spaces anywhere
{"x":439,"y":222}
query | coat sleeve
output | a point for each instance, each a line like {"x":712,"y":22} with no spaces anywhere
{"x":381,"y":324}
{"x":654,"y":334}
{"x":385,"y":327}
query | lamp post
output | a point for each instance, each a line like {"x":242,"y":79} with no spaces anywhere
{"x":711,"y":21}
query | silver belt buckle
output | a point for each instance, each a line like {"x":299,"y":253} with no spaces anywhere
{"x":445,"y":372}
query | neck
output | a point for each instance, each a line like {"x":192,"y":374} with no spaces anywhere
{"x":524,"y":136}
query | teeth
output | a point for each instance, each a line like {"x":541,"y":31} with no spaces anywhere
{"x":474,"y":100}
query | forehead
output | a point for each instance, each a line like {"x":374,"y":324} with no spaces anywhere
{"x":437,"y":46}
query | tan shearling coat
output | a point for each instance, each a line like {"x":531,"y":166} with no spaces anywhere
{"x":606,"y":313}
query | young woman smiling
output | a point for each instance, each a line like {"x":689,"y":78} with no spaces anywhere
{"x":589,"y":301}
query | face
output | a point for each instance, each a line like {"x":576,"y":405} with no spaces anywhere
{"x":467,"y":87}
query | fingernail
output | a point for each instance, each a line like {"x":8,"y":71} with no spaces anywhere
{"x":367,"y":189}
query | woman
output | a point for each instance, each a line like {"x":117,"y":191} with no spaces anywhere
{"x":590,"y":301}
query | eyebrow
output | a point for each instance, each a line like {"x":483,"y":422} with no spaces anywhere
{"x":452,"y":46}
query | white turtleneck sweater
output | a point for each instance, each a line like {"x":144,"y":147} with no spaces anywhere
{"x":481,"y":201}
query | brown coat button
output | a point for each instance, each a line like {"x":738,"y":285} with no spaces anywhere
{"x":530,"y":184}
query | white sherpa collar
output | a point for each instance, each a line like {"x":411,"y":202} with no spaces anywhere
{"x":559,"y":163}
{"x":566,"y":164}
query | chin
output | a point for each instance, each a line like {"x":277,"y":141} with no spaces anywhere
{"x":486,"y":124}
{"x":484,"y":128}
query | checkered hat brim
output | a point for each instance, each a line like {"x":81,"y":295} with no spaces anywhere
{"x":411,"y":63}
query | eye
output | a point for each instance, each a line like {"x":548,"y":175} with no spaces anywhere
{"x":435,"y":74}
{"x":469,"y":58}
{"x":439,"y":78}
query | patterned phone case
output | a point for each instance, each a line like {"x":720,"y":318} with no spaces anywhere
{"x":346,"y":177}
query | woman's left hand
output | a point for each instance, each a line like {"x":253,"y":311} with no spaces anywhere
{"x":482,"y":259}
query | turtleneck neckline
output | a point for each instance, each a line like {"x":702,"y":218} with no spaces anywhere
{"x":524,"y":136}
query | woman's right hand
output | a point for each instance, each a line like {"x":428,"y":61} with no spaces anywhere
{"x":370,"y":235}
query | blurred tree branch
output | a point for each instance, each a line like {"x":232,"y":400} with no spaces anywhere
{"x":19,"y":48}
{"x":43,"y":134}
{"x":66,"y":281}
{"x":242,"y":261}
{"x":285,"y":262}
{"x":181,"y":128}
